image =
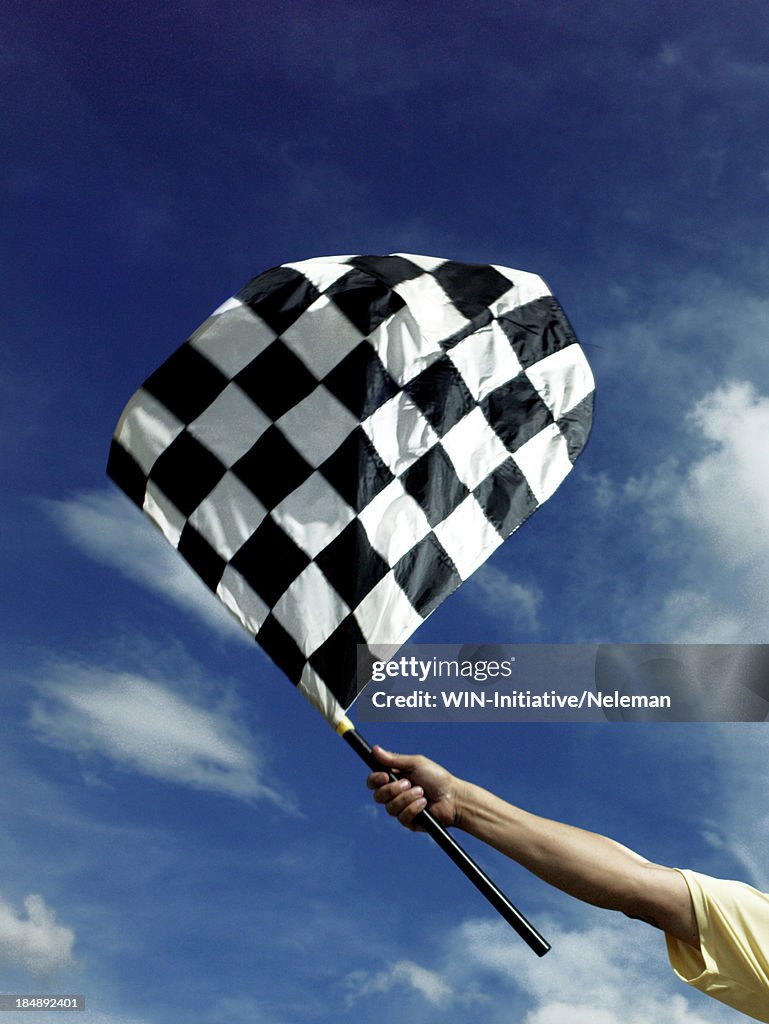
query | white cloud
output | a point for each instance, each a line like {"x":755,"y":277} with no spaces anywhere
{"x":108,"y":528}
{"x":34,"y":940}
{"x":672,"y":1011}
{"x":680,"y":338}
{"x":726,"y":491}
{"x":505,"y":598}
{"x":705,"y":514}
{"x":404,"y":973}
{"x":142,"y":725}
{"x":603,"y":490}
{"x":612,"y":973}
{"x":688,"y":616}
{"x":722,"y":499}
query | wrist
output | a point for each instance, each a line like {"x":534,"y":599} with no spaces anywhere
{"x":462,"y":803}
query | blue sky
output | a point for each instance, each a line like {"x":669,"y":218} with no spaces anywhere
{"x":180,"y":833}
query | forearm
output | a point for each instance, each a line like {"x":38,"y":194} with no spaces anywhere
{"x":583,"y":864}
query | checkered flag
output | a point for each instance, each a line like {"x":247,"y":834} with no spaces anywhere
{"x":346,"y":440}
{"x":342,"y":443}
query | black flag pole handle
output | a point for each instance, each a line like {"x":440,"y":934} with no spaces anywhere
{"x":451,"y":847}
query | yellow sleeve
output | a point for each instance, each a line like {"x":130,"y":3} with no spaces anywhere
{"x":732,"y":964}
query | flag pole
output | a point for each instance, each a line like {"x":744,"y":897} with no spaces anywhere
{"x":451,"y":847}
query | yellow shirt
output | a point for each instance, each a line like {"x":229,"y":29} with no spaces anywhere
{"x":733,"y":962}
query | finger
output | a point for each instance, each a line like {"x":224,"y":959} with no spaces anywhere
{"x":400,"y":805}
{"x":409,"y":813}
{"x":377,"y":779}
{"x":384,"y":794}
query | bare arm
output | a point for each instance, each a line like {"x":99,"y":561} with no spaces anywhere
{"x":583,"y":864}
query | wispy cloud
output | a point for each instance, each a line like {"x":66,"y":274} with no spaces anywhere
{"x":505,"y":598}
{"x":142,"y":725}
{"x":108,"y":528}
{"x":737,"y":833}
{"x":33,"y":939}
{"x":402,"y":973}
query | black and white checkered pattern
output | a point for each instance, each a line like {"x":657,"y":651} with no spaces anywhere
{"x":347,"y":439}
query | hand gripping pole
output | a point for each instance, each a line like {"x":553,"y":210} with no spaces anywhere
{"x":448,"y":844}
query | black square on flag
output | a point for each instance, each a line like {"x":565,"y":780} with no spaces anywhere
{"x":360,"y":381}
{"x":279,"y":296}
{"x":365,"y":301}
{"x":269,"y":561}
{"x":276,"y":380}
{"x":187,"y":383}
{"x":575,"y":426}
{"x":356,"y":470}
{"x":272,"y":468}
{"x":336,"y":658}
{"x":441,"y":394}
{"x":472,"y":287}
{"x":123,"y":468}
{"x":276,"y":642}
{"x":390,"y":269}
{"x":204,"y":560}
{"x":516,"y":412}
{"x":505,"y":498}
{"x":426,"y":575}
{"x":186,"y":472}
{"x":434,"y":484}
{"x":351,"y":565}
{"x":537,"y":329}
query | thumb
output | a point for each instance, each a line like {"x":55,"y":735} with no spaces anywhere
{"x":401,"y":762}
